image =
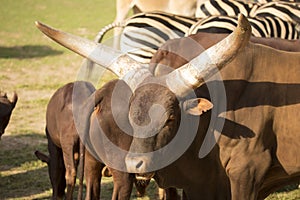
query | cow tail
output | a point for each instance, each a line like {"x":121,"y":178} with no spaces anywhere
{"x":81,"y":170}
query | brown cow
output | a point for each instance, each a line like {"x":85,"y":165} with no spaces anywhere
{"x":63,"y":140}
{"x":6,"y":108}
{"x":255,"y":117}
{"x":63,"y":147}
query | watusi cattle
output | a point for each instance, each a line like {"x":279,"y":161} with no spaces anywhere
{"x":63,"y":139}
{"x":245,"y":144}
{"x":6,"y":108}
{"x":142,"y":82}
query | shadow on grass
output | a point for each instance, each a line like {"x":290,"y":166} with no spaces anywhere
{"x":27,"y":51}
{"x":17,"y":150}
{"x":22,"y":185}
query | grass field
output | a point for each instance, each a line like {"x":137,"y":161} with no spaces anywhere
{"x":35,"y":67}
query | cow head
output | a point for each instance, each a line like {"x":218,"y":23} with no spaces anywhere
{"x":157,"y":107}
{"x":6,"y":108}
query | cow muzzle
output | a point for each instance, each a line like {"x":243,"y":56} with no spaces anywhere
{"x":137,"y":164}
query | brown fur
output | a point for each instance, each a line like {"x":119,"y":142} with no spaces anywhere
{"x":63,"y":139}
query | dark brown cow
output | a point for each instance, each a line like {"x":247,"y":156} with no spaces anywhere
{"x":255,"y":117}
{"x":101,"y":115}
{"x":63,"y":140}
{"x":63,"y":147}
{"x":6,"y":108}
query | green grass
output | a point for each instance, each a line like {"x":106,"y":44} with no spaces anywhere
{"x":34,"y":67}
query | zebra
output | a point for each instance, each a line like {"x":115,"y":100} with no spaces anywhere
{"x":267,"y":1}
{"x":261,"y":27}
{"x":144,"y":33}
{"x":142,"y":37}
{"x":178,"y":7}
{"x":286,"y":10}
{"x":226,"y":8}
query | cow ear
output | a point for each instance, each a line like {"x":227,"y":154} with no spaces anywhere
{"x":197,"y":106}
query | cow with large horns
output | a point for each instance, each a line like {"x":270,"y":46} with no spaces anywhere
{"x":257,"y":128}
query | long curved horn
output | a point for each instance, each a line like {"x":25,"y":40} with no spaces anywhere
{"x":192,"y":74}
{"x":116,"y":61}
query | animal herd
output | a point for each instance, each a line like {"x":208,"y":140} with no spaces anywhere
{"x":212,"y":113}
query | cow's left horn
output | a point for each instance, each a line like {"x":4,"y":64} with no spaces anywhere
{"x":192,"y":75}
{"x":112,"y":59}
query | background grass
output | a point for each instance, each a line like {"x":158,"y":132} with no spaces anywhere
{"x":35,"y":67}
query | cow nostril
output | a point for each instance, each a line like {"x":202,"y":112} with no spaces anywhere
{"x":139,"y":164}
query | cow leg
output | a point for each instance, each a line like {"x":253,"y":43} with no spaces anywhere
{"x":246,"y":173}
{"x":56,"y":170}
{"x":70,"y":155}
{"x":184,"y":197}
{"x":92,"y":173}
{"x":168,"y":194}
{"x":171,"y":194}
{"x":123,"y":183}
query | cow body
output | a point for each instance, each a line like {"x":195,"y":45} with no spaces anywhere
{"x":254,"y":154}
{"x":63,"y":147}
{"x":257,"y":149}
{"x":6,"y":108}
{"x":63,"y":139}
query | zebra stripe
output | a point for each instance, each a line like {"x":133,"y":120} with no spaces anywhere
{"x":226,"y":8}
{"x":286,"y":11}
{"x":266,"y":27}
{"x":144,"y":33}
{"x":267,"y":1}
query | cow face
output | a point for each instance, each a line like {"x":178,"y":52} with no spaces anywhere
{"x":6,"y":107}
{"x":154,"y":109}
{"x":160,"y":122}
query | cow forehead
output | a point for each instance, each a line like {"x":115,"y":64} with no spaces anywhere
{"x":152,"y":100}
{"x":152,"y":93}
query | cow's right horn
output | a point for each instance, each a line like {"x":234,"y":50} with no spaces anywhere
{"x":112,"y":59}
{"x":202,"y":67}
